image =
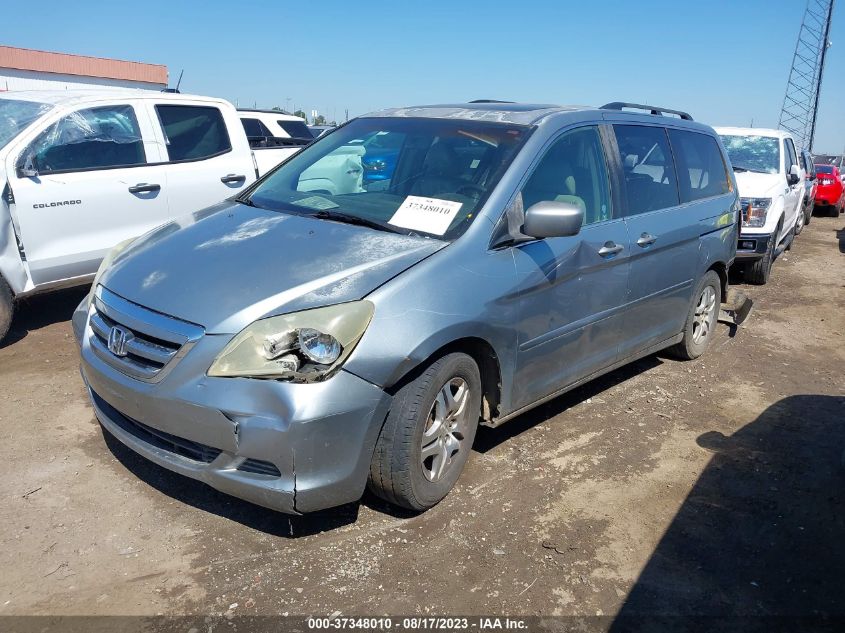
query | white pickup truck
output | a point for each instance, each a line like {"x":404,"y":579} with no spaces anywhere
{"x":84,"y":170}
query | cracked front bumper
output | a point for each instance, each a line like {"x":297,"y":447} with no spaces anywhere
{"x":289,"y":447}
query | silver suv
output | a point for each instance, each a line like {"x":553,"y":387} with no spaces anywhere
{"x":323,"y":331}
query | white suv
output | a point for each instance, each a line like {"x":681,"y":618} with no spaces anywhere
{"x":771,"y":188}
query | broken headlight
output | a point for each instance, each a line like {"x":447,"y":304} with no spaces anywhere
{"x":301,"y":346}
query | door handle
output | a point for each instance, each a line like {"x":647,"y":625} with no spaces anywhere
{"x":144,"y":187}
{"x":230,"y":178}
{"x":646,"y":239}
{"x":609,"y":249}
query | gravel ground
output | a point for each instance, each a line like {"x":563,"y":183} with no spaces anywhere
{"x":711,"y":487}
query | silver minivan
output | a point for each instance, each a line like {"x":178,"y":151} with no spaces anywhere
{"x":325,"y":331}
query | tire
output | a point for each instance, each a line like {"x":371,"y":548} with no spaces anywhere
{"x":800,"y":221}
{"x":702,"y":317}
{"x":7,"y":308}
{"x":398,"y":472}
{"x":758,"y":272}
{"x":808,"y":215}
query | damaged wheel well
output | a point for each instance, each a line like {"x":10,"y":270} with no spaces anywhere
{"x":722,"y":270}
{"x":488,"y":365}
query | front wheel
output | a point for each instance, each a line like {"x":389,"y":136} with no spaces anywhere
{"x":702,"y":317}
{"x":758,"y":271}
{"x":799,"y":221}
{"x":7,"y":308}
{"x":426,"y":439}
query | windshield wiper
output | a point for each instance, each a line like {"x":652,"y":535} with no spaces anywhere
{"x":348,"y":218}
{"x":743,"y":168}
{"x":242,"y":199}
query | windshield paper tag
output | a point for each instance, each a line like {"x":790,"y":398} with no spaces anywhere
{"x":430,"y":215}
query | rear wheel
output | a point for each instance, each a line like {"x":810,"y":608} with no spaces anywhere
{"x":7,"y":308}
{"x":428,"y":434}
{"x":702,"y":317}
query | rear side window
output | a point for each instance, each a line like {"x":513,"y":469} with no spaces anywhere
{"x":193,"y":132}
{"x":94,"y":138}
{"x":296,"y":129}
{"x":254,"y":127}
{"x":701,"y":170}
{"x":650,"y":181}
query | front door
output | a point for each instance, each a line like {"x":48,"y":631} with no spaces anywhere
{"x":794,"y":193}
{"x":90,"y":186}
{"x":572,"y":288}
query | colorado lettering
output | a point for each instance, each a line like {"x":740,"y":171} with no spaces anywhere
{"x":61,"y":203}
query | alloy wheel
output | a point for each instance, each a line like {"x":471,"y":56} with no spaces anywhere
{"x":704,"y":316}
{"x":445,"y":429}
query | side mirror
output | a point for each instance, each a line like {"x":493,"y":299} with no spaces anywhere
{"x":793,"y":177}
{"x":28,"y":167}
{"x":553,"y":219}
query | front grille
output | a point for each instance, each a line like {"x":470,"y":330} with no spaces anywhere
{"x":145,"y":344}
{"x":173,"y":444}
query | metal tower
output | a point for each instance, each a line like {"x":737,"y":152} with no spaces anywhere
{"x":801,"y":101}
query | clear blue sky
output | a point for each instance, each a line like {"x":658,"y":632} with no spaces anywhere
{"x":725,"y":62}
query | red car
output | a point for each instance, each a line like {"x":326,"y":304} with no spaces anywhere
{"x":831,"y":193}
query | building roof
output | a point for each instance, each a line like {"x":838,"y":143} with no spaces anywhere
{"x":65,"y":64}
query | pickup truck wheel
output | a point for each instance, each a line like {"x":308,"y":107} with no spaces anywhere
{"x":808,"y":213}
{"x":758,"y":272}
{"x":428,"y":434}
{"x":799,"y":221}
{"x":702,"y":317}
{"x":7,"y":308}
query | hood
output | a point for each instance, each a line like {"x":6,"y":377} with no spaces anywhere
{"x":754,"y":185}
{"x":229,"y":265}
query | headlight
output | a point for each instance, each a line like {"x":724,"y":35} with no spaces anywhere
{"x":108,"y":260}
{"x":754,"y":211}
{"x":303,"y":346}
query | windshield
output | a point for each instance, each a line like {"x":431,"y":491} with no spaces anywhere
{"x":753,"y":153}
{"x":824,"y":169}
{"x":16,"y":115}
{"x":423,"y":176}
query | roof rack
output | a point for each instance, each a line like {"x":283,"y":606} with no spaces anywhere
{"x":657,"y":110}
{"x":490,"y":101}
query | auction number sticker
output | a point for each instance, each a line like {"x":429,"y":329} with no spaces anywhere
{"x":430,"y":215}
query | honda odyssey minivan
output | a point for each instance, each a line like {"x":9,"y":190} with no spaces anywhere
{"x":302,"y":341}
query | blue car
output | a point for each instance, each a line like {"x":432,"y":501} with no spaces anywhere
{"x":382,"y":153}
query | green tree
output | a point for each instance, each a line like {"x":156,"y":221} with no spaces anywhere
{"x":300,"y":114}
{"x":320,"y":120}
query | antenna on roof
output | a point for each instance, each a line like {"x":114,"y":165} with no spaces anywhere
{"x":178,"y":83}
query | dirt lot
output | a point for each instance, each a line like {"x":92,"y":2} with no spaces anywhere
{"x":714,"y":486}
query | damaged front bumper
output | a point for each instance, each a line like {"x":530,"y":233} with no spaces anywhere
{"x":289,"y":447}
{"x":752,"y":246}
